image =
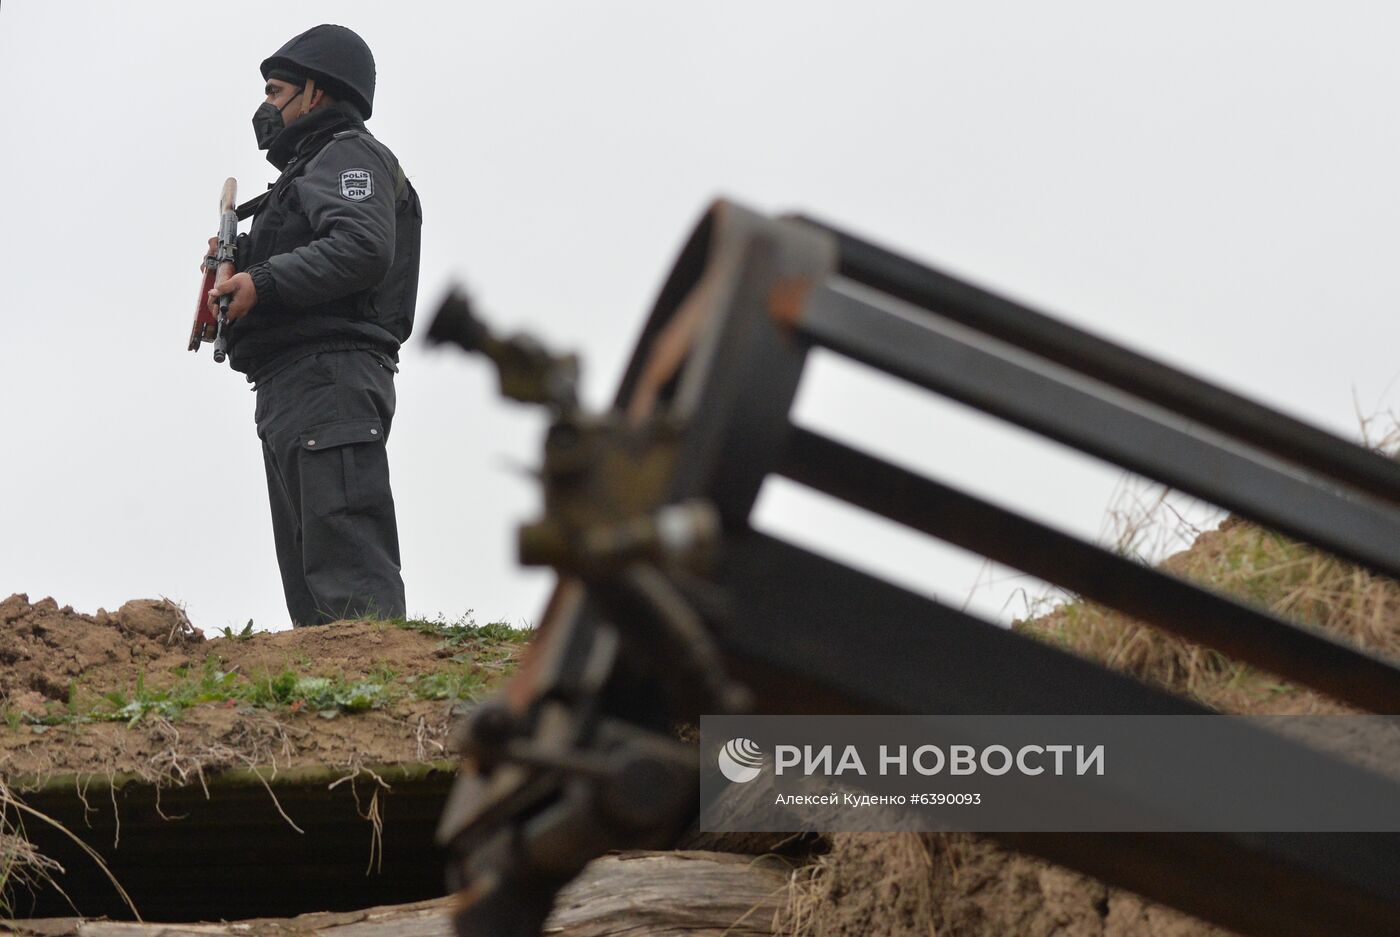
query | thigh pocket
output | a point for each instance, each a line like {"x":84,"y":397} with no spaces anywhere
{"x":344,"y":468}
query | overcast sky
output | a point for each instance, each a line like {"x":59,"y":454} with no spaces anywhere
{"x":1214,"y":184}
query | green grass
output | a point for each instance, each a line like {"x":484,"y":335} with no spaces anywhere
{"x":285,"y":689}
{"x":461,"y":683}
{"x":482,"y":656}
{"x":465,"y":631}
{"x":242,"y":634}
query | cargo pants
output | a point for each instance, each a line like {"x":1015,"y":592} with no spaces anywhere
{"x":324,"y":421}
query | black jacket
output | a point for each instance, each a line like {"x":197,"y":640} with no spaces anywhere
{"x":333,"y":249}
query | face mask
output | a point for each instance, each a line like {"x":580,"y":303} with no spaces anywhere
{"x":267,"y":121}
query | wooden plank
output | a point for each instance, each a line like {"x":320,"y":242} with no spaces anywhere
{"x":642,"y":894}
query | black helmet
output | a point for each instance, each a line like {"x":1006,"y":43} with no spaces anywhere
{"x":336,"y":57}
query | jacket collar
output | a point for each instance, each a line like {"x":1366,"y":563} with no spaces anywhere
{"x":307,"y":134}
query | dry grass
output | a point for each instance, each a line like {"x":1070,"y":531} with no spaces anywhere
{"x":1240,"y":559}
{"x":22,"y":867}
{"x":895,"y":895}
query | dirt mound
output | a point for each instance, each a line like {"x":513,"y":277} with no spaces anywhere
{"x":44,"y":648}
{"x":140,"y":691}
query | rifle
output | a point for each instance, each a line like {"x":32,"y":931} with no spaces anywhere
{"x":218,"y":267}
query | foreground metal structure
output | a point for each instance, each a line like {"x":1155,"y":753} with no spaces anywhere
{"x":670,"y":604}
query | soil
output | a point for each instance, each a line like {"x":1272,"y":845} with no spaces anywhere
{"x":51,"y":656}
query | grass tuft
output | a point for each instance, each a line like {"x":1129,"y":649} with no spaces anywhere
{"x":464,"y":631}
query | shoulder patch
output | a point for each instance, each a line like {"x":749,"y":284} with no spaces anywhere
{"x":356,"y":184}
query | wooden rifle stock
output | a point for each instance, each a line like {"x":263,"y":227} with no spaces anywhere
{"x":218,"y":267}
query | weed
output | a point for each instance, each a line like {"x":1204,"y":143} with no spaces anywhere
{"x":322,"y":694}
{"x":383,"y":673}
{"x":242,"y":634}
{"x":466,"y":682}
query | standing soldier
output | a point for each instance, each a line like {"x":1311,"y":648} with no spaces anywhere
{"x":324,"y":298}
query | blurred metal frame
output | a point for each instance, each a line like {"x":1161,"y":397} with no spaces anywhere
{"x":637,"y":639}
